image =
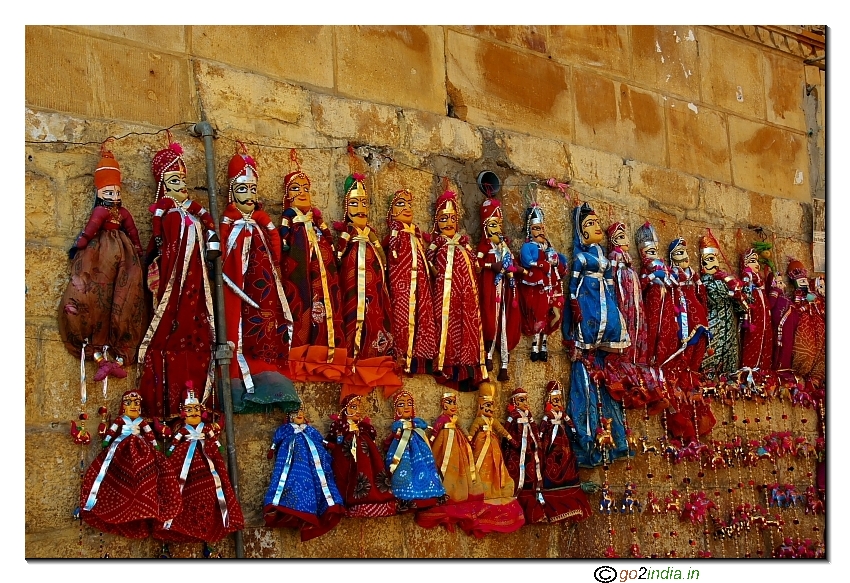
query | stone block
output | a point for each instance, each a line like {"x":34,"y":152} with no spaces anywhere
{"x":430,"y":133}
{"x":401,"y":65}
{"x":65,"y":543}
{"x":667,"y":187}
{"x":604,"y":47}
{"x":788,"y":217}
{"x":667,"y":59}
{"x":493,"y":85}
{"x":260,"y":543}
{"x":538,"y":157}
{"x":768,"y":159}
{"x":40,"y":218}
{"x":357,"y":121}
{"x":595,"y":168}
{"x":785,"y":87}
{"x":617,"y":118}
{"x":531,"y":37}
{"x":698,"y":140}
{"x":355,"y":538}
{"x":761,"y":209}
{"x":45,"y":276}
{"x":163,"y":38}
{"x":723,"y":200}
{"x":731,"y":74}
{"x":52,"y":480}
{"x":529,"y":542}
{"x":254,"y":475}
{"x":96,"y":78}
{"x":302,"y":54}
{"x":433,"y":543}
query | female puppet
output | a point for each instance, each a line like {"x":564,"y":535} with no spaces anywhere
{"x":562,"y":492}
{"x":784,"y":321}
{"x":129,"y":487}
{"x":415,"y":481}
{"x":460,"y":348}
{"x":662,"y":337}
{"x":308,"y":267}
{"x":691,"y":317}
{"x":809,"y":354}
{"x":365,"y":302}
{"x":259,"y":322}
{"x":103,"y":309}
{"x":757,"y":338}
{"x":358,"y":465}
{"x":522,"y":457}
{"x":541,"y":286}
{"x":500,"y":315}
{"x":210,"y":510}
{"x":302,"y":493}
{"x":627,"y":290}
{"x":178,"y":344}
{"x":414,"y":329}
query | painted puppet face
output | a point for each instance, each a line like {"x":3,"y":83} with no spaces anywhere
{"x":752,"y":261}
{"x":820,"y":285}
{"x":404,"y":408}
{"x":175,"y":185}
{"x":358,"y":208}
{"x":447,"y":223}
{"x":193,"y":414}
{"x":779,"y":281}
{"x":298,"y":192}
{"x":619,"y":239}
{"x":679,"y":256}
{"x":521,"y":402}
{"x":493,"y":229}
{"x":649,"y":251}
{"x":710,"y":263}
{"x":353,"y":411}
{"x":485,"y":408}
{"x":402,"y":209}
{"x":245,"y":195}
{"x":299,"y":417}
{"x":449,"y":405}
{"x":802,"y":283}
{"x":557,"y":402}
{"x":591,"y":232}
{"x":132,"y":406}
{"x":538,"y":232}
{"x":110,"y":195}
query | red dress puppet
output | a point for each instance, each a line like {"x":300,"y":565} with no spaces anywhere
{"x":522,"y":457}
{"x":809,"y":355}
{"x":628,"y":293}
{"x":178,"y":344}
{"x":129,"y":487}
{"x":784,"y":320}
{"x":210,"y":510}
{"x":460,"y":350}
{"x":757,"y":337}
{"x":103,"y":309}
{"x":412,"y":309}
{"x":365,"y":301}
{"x":259,"y":322}
{"x":308,"y":267}
{"x":358,"y":465}
{"x":500,"y":314}
{"x":662,"y":336}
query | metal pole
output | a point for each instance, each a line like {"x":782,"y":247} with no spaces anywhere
{"x":223,"y":353}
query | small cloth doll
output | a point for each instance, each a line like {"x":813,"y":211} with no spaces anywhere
{"x":128,"y":487}
{"x":662,"y":338}
{"x":302,"y":493}
{"x":358,"y":465}
{"x":809,"y":354}
{"x":522,"y":457}
{"x":259,"y":323}
{"x":365,"y":302}
{"x":210,"y":509}
{"x":415,"y":481}
{"x":692,"y":318}
{"x":104,"y":304}
{"x":627,"y":290}
{"x":757,"y":337}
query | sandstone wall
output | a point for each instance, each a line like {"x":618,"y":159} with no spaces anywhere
{"x":687,"y":126}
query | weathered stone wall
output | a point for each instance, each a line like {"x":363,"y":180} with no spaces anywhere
{"x":687,"y":126}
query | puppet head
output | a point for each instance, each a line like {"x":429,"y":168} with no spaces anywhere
{"x":404,"y":405}
{"x":519,"y":399}
{"x":448,"y":402}
{"x":131,"y":404}
{"x":617,"y":236}
{"x":296,"y":191}
{"x":799,"y":274}
{"x":486,"y":392}
{"x":647,"y":242}
{"x":169,"y":169}
{"x":356,"y":201}
{"x":191,"y":408}
{"x":710,"y":253}
{"x":554,"y":397}
{"x":446,"y":214}
{"x":351,"y":410}
{"x":587,"y":229}
{"x":535,"y":226}
{"x":242,"y":180}
{"x":107,"y":180}
{"x":678,"y":253}
{"x":298,"y":417}
{"x":401,"y":207}
{"x":491,"y":219}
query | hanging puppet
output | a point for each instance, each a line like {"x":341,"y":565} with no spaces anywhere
{"x":757,"y":337}
{"x":308,"y":267}
{"x":809,"y":354}
{"x":415,"y":480}
{"x":662,"y":337}
{"x":103,"y":311}
{"x":259,"y":322}
{"x":179,"y":342}
{"x":500,"y":315}
{"x":365,"y":301}
{"x":522,"y":457}
{"x":783,"y":321}
{"x":725,"y":301}
{"x":460,"y":360}
{"x":627,"y":290}
{"x":128,"y":487}
{"x":302,"y":493}
{"x":414,"y":330}
{"x":691,"y":317}
{"x":541,"y":286}
{"x":358,"y":465}
{"x":210,"y":510}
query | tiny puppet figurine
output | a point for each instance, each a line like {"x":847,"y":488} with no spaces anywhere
{"x":103,"y":309}
{"x":179,"y":342}
{"x":415,"y":480}
{"x":628,"y":292}
{"x":522,"y":457}
{"x":210,"y":510}
{"x":414,"y":329}
{"x":358,"y":465}
{"x":302,"y":493}
{"x":757,"y":338}
{"x":562,"y":489}
{"x":809,"y":353}
{"x":500,"y":313}
{"x":308,"y":268}
{"x":662,"y":338}
{"x":259,"y":323}
{"x":541,"y":286}
{"x":460,"y":360}
{"x":725,"y":301}
{"x":783,"y":319}
{"x":128,"y":487}
{"x":365,"y":302}
{"x":691,"y":317}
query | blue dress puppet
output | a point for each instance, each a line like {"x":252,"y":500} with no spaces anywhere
{"x":415,"y":481}
{"x":593,"y":326}
{"x":302,"y":493}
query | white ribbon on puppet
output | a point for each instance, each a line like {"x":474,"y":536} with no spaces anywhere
{"x":317,"y":463}
{"x":130,"y":427}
